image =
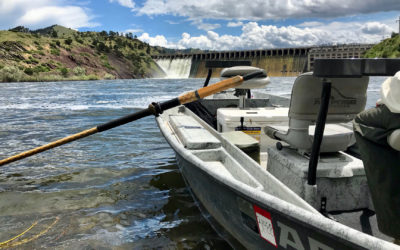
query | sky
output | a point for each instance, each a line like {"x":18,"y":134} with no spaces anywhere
{"x":216,"y":24}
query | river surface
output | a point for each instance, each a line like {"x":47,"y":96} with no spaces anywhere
{"x":120,"y":189}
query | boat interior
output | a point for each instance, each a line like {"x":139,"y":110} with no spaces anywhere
{"x":278,"y":138}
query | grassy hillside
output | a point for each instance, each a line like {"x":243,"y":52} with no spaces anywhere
{"x":388,"y":48}
{"x":58,"y":53}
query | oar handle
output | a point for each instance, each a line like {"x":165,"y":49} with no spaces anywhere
{"x":185,"y":98}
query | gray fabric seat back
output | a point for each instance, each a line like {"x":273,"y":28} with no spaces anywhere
{"x":348,"y":98}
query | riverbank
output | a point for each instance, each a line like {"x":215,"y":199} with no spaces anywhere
{"x":388,"y":48}
{"x":57,"y":53}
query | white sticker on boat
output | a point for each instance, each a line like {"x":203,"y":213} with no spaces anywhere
{"x":265,"y":226}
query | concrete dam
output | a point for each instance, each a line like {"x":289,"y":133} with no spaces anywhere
{"x":277,"y":62}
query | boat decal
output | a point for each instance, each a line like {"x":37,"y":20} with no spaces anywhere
{"x":265,"y":226}
{"x":252,"y":131}
{"x":191,"y":127}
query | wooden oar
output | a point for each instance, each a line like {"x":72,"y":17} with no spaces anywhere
{"x":153,"y":109}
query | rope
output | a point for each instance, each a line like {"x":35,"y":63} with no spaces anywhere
{"x":19,"y":235}
{"x":8,"y":243}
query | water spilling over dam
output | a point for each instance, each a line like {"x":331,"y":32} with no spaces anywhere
{"x":175,"y":68}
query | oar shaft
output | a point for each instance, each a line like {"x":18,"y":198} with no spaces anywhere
{"x":209,"y":90}
{"x":53,"y":144}
{"x":103,"y":127}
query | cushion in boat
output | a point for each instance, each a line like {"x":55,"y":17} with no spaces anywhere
{"x":241,"y":139}
{"x":192,"y":134}
{"x":336,"y":138}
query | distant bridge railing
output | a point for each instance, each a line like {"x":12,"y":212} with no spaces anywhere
{"x":334,"y":51}
{"x":221,"y":55}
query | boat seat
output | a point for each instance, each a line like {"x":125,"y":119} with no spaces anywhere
{"x":394,"y":139}
{"x":254,"y":83}
{"x":192,"y":134}
{"x":336,"y":137}
{"x":348,"y":98}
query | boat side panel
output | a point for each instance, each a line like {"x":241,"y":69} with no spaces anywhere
{"x":235,"y":212}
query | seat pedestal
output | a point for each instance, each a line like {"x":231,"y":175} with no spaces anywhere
{"x":340,"y":178}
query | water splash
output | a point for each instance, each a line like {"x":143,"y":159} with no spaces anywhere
{"x":175,"y":68}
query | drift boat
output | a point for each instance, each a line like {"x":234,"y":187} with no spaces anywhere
{"x":280,"y":173}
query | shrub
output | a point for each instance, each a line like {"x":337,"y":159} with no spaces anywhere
{"x":28,"y":71}
{"x":101,"y":47}
{"x":58,"y":43}
{"x":55,"y":52}
{"x":108,"y":76}
{"x":31,"y":60}
{"x":64,"y":72}
{"x":78,"y":71}
{"x":108,"y":66}
{"x":41,"y":68}
{"x":68,"y":41}
{"x":10,"y":74}
{"x":91,"y":77}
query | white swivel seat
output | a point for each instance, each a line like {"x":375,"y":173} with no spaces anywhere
{"x":340,"y":178}
{"x":348,"y":98}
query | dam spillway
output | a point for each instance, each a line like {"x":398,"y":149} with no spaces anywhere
{"x":277,"y":62}
{"x":175,"y":67}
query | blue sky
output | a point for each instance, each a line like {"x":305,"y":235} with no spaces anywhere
{"x":216,"y":24}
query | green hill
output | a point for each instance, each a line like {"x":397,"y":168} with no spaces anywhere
{"x":60,"y":31}
{"x":58,"y":53}
{"x":388,"y":48}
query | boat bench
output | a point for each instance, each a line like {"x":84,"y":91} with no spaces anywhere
{"x":192,"y":134}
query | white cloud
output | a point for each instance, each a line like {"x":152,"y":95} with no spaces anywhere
{"x":234,"y":24}
{"x":172,"y":22}
{"x":205,"y":26}
{"x":42,"y":13}
{"x":310,"y":24}
{"x":255,"y":36}
{"x":158,"y":40}
{"x":376,"y":28}
{"x":265,"y":9}
{"x":133,"y":31}
{"x":125,"y":3}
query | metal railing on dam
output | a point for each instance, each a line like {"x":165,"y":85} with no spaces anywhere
{"x":277,"y":61}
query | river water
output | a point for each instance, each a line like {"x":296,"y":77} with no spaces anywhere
{"x":120,"y":189}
